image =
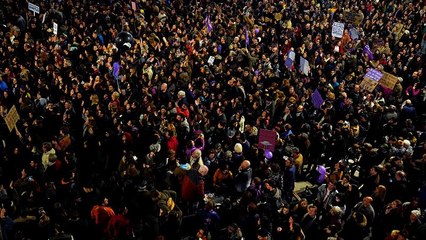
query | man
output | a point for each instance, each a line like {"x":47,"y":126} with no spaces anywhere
{"x":366,"y":209}
{"x":310,"y":224}
{"x":243,"y":177}
{"x":326,"y":195}
{"x":192,"y":190}
{"x":289,"y":175}
{"x":273,"y":194}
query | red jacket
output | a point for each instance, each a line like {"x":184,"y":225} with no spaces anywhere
{"x":172,"y":143}
{"x":192,"y":186}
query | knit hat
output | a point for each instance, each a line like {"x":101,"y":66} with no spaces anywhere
{"x":238,"y":148}
{"x":416,"y":213}
{"x":181,"y":93}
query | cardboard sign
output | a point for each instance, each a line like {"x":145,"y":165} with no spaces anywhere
{"x":134,"y":8}
{"x":353,"y":17}
{"x":267,"y":139}
{"x":11,"y":118}
{"x":368,"y":84}
{"x":337,"y":30}
{"x":34,"y":8}
{"x":388,"y":80}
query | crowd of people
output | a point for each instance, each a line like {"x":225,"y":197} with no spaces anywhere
{"x":141,"y":119}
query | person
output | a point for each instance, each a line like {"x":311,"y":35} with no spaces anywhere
{"x":310,"y":223}
{"x":116,"y":75}
{"x":412,"y":228}
{"x":326,"y":195}
{"x":192,"y":187}
{"x":272,"y":194}
{"x":243,"y":177}
{"x":361,"y":210}
{"x":355,"y":227}
{"x":222,"y":179}
{"x":289,"y":178}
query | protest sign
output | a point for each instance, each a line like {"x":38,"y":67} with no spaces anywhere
{"x":368,"y":51}
{"x":374,"y":74}
{"x":368,"y":84}
{"x":304,"y":66}
{"x":211,"y":60}
{"x":290,"y":59}
{"x":267,"y":139}
{"x":11,"y":118}
{"x":388,"y":80}
{"x":337,"y":29}
{"x":55,"y":28}
{"x":34,"y":8}
{"x":317,"y":99}
{"x":354,"y":34}
{"x":353,"y":17}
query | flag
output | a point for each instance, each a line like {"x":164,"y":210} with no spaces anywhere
{"x":208,"y":24}
{"x":367,"y":50}
{"x":247,"y":37}
{"x":116,"y":69}
{"x":317,"y":99}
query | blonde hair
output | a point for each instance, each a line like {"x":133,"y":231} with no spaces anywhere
{"x":115,"y":95}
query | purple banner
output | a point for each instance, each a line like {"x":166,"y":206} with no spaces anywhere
{"x":368,"y":51}
{"x":374,"y":74}
{"x":317,"y":100}
{"x":208,"y":24}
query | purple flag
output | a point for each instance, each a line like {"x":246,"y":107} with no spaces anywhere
{"x":367,"y":50}
{"x":219,"y":49}
{"x":116,"y":69}
{"x":317,"y":99}
{"x":247,"y":37}
{"x":208,"y":24}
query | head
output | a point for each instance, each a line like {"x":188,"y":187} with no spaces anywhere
{"x":245,"y":165}
{"x":366,"y":201}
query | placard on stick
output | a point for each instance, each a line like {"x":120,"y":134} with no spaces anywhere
{"x":267,"y":139}
{"x":34,"y":8}
{"x":11,"y":118}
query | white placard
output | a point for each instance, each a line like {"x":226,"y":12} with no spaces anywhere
{"x":337,"y":30}
{"x":55,"y":28}
{"x":34,"y":8}
{"x":292,"y":55}
{"x":211,"y":60}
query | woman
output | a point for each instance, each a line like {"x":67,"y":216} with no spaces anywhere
{"x":392,"y":217}
{"x":222,"y":178}
{"x":290,"y":231}
{"x":379,"y":196}
{"x":300,"y":209}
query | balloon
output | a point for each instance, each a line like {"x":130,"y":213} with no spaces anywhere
{"x":321,"y":169}
{"x":268,"y":154}
{"x":124,"y":41}
{"x":320,"y":179}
